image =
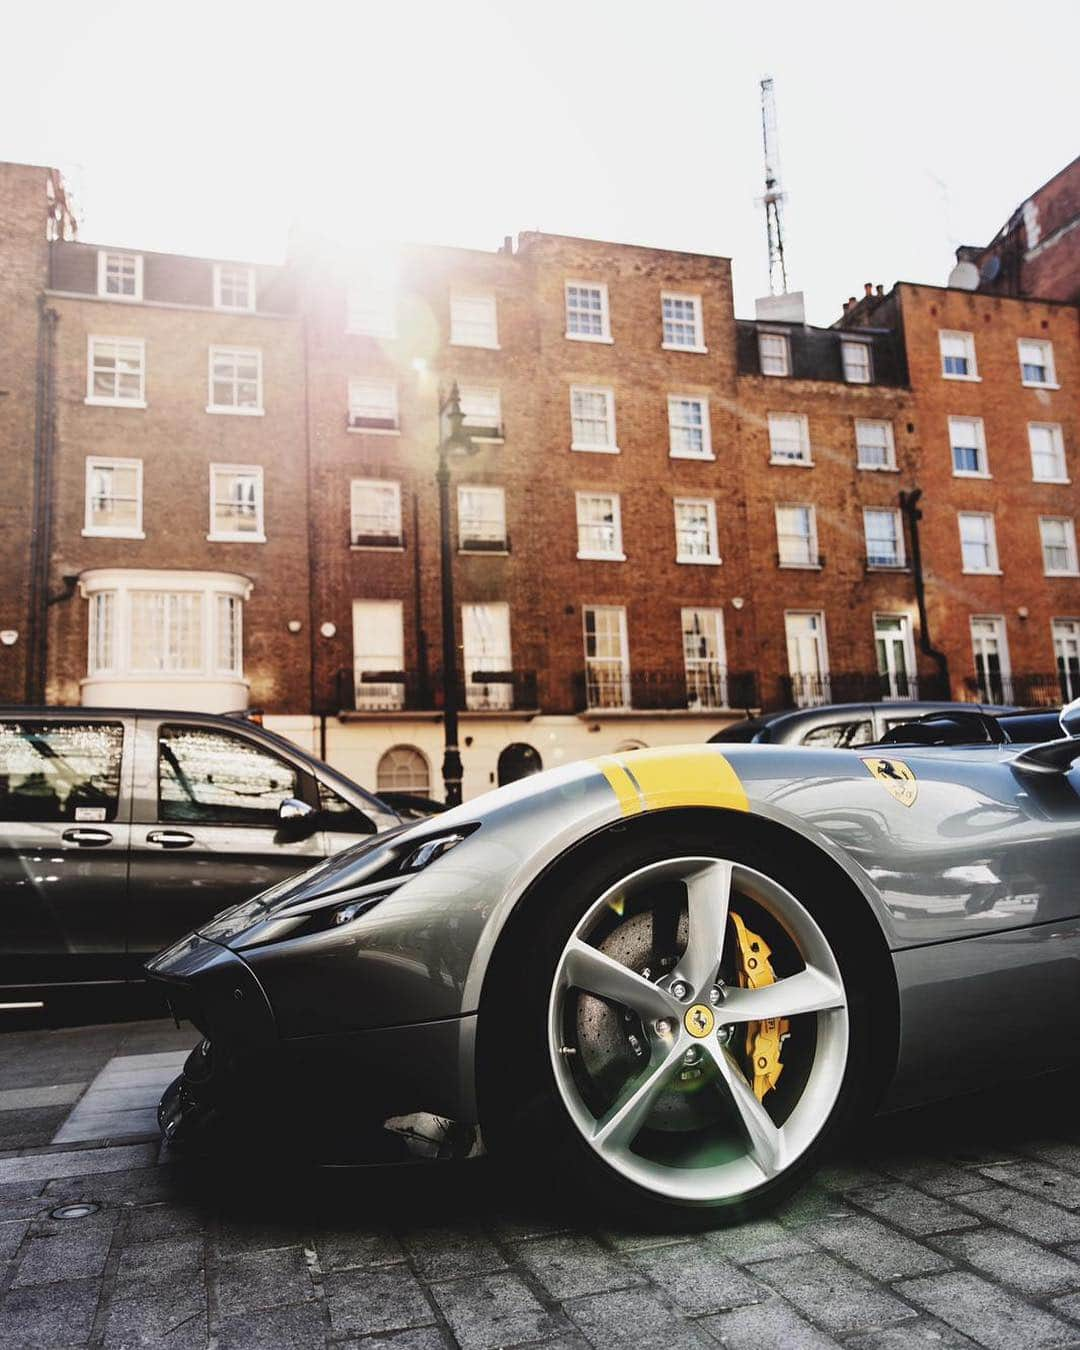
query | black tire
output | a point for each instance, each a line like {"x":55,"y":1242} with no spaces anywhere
{"x":523,"y":1116}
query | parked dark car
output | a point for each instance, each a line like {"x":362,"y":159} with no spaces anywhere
{"x":836,"y":725}
{"x":121,"y":829}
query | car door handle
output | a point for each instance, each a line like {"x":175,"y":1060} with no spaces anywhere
{"x":87,"y":838}
{"x":170,"y":838}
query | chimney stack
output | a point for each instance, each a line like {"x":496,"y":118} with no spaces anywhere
{"x":880,"y":289}
{"x":868,"y":289}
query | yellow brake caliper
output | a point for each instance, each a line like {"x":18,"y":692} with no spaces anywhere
{"x":764,"y":1040}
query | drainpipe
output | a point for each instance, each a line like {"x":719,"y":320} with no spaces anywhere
{"x":41,"y":509}
{"x":909,"y":505}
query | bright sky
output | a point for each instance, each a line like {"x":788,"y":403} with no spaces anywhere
{"x":208,"y":128}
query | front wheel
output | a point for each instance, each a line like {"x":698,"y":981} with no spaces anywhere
{"x":701,"y":1033}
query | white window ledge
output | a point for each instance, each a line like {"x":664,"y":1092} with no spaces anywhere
{"x":588,"y":337}
{"x":792,"y":463}
{"x":800,"y":567}
{"x":776,"y":374}
{"x":373,"y":431}
{"x":970,"y":473}
{"x":596,"y":449}
{"x":237,"y":538}
{"x":483,"y":346}
{"x":707,"y":562}
{"x":981,"y":571}
{"x":114,"y":402}
{"x":236,"y":309}
{"x":966,"y":379}
{"x":602,"y":557}
{"x":683,"y":454}
{"x":483,"y":552}
{"x":91,"y":533}
{"x":1059,"y":481}
{"x":877,"y":468}
{"x":235,"y":412}
{"x":886,"y":567}
{"x":486,"y":440}
{"x":1061,"y":574}
{"x":1039,"y":384}
{"x":680,"y":347}
{"x":377,"y":548}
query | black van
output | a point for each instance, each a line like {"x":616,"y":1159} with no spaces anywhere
{"x":121,"y":830}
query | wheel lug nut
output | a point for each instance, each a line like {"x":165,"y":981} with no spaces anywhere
{"x":663,"y":1027}
{"x":716,"y":994}
{"x":680,"y":989}
{"x":724,"y":1034}
{"x":692,"y":1056}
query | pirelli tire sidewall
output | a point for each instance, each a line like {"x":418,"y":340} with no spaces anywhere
{"x":522,"y":1115}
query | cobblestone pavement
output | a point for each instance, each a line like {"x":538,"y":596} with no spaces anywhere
{"x":947,"y":1227}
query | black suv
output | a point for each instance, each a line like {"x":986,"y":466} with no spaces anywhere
{"x":120,"y":830}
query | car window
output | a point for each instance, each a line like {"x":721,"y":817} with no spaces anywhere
{"x":60,"y":770}
{"x":840,"y":735}
{"x":212,"y":777}
{"x":338,"y":814}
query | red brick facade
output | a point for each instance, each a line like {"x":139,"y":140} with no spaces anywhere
{"x":301,"y":582}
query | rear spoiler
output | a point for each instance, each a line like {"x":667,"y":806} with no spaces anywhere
{"x":1050,"y":757}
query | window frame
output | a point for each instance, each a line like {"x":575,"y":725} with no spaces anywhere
{"x":103,"y":256}
{"x":890,"y":447}
{"x":478,"y":429}
{"x":970,"y":376}
{"x":1073,"y":568}
{"x":105,"y":401}
{"x":393,"y":541}
{"x":807,"y":458}
{"x":1051,"y":382}
{"x":615,"y":554}
{"x":92,"y":531}
{"x":391,"y":385}
{"x":901,"y":551}
{"x":991,"y":571}
{"x":1058,"y":438}
{"x":216,"y":352}
{"x":698,"y":346}
{"x":813,"y":563}
{"x":605,"y":311}
{"x":711,"y":559}
{"x":848,"y":344}
{"x":619,"y":664}
{"x":706,"y":429}
{"x":219,"y":269}
{"x":496,"y":492}
{"x":458,"y":294}
{"x":256,"y":536}
{"x":612,"y":448}
{"x":784,"y":338}
{"x":980,"y":447}
{"x":385,"y":324}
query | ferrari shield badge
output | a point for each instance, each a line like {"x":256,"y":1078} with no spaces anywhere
{"x":895,"y":775}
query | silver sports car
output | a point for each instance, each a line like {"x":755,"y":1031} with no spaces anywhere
{"x":674,"y":975}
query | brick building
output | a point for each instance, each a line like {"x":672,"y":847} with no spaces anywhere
{"x":669,"y":516}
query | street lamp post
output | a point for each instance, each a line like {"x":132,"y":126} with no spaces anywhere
{"x":459,"y":443}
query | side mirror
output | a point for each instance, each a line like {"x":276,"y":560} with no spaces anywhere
{"x":1069,"y":717}
{"x":296,"y":820}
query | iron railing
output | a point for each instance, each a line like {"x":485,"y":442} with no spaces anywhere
{"x":609,"y":686}
{"x":1030,"y":691}
{"x":405,"y":691}
{"x":808,"y":691}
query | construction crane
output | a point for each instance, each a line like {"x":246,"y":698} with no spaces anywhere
{"x":774,"y":197}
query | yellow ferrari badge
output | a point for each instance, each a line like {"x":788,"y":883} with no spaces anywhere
{"x":699,"y":1020}
{"x":897,"y":777}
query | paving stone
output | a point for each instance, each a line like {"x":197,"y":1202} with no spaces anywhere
{"x":571,"y":1264}
{"x":78,"y":1252}
{"x":772,"y":1324}
{"x":838,"y":1176}
{"x":143,"y":1262}
{"x":375,"y":1300}
{"x":1056,"y":1152}
{"x":76,"y":1162}
{"x":763,"y":1240}
{"x":30,"y":1128}
{"x":1014,"y":1260}
{"x":485,"y":1311}
{"x":938,"y":1178}
{"x":627,"y":1240}
{"x":634,"y":1319}
{"x":992,"y":1317}
{"x":174,"y":1316}
{"x":420,"y":1338}
{"x":1039,"y":1178}
{"x":1069,"y":1305}
{"x":263,"y":1279}
{"x":11,"y":1234}
{"x":444,"y":1253}
{"x":55,"y":1094}
{"x":808,"y":1205}
{"x":911,"y":1210}
{"x":875,"y":1249}
{"x":236,"y":1236}
{"x":698,"y":1279}
{"x":141,"y":1186}
{"x":49,"y":1315}
{"x":1034,"y":1218}
{"x":522,"y":1227}
{"x":21,"y":1200}
{"x":342,"y":1249}
{"x":290,"y":1328}
{"x":836,"y":1297}
{"x":927,"y":1332}
{"x":151,"y":1222}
